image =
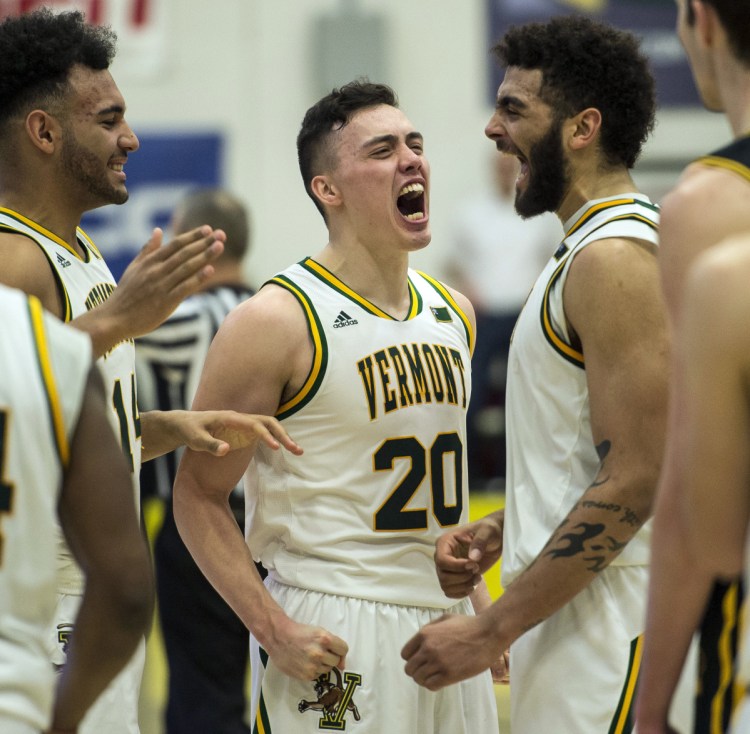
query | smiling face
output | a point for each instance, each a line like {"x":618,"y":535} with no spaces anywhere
{"x":96,"y":139}
{"x":524,"y":125}
{"x":379,"y":179}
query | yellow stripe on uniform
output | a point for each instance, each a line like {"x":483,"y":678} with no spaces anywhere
{"x":40,"y":337}
{"x":565,"y":349}
{"x":318,"y":349}
{"x":593,"y":210}
{"x":726,"y":658}
{"x":440,"y":288}
{"x":329,"y":277}
{"x":623,"y":723}
{"x":38,"y":228}
{"x":728,"y":164}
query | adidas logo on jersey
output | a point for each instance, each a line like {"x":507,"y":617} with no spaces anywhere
{"x":343,"y":319}
{"x":62,"y":261}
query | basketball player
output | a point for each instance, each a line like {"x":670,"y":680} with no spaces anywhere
{"x":367,"y":364}
{"x":206,"y":650}
{"x":586,"y":395}
{"x":63,"y":144}
{"x":713,"y":357}
{"x":52,"y":409}
{"x":710,"y":202}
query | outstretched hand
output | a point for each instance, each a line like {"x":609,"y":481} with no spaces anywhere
{"x":161,"y":276}
{"x":215,"y":431}
{"x":464,"y":554}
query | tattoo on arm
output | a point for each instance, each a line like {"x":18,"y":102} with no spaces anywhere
{"x":602,"y":451}
{"x":597,"y":555}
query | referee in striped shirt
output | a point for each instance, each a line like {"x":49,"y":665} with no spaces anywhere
{"x":206,"y":644}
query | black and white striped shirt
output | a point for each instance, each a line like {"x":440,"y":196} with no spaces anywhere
{"x":169,"y":362}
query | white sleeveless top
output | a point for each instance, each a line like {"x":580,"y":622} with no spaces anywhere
{"x":85,"y":283}
{"x":382,"y":421}
{"x":551,"y":455}
{"x":44,"y":367}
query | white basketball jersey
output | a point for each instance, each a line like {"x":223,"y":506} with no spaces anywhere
{"x":551,"y":455}
{"x":44,"y":366}
{"x":85,"y":283}
{"x":382,"y":421}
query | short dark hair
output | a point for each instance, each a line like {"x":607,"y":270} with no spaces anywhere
{"x":328,"y":115}
{"x":37,"y":53}
{"x":585,"y":63}
{"x":219,"y":209}
{"x":735,"y":18}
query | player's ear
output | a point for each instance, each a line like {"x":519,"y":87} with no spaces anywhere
{"x":326,"y":190}
{"x":583,"y":128}
{"x":44,"y":130}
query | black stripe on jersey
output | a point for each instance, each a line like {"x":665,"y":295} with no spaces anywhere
{"x":320,"y":350}
{"x":734,"y":157}
{"x":561,"y":347}
{"x":262,"y":723}
{"x":717,"y":697}
{"x":622,"y":722}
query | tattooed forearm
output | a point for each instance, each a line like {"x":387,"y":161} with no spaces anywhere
{"x":575,"y":542}
{"x":600,"y":505}
{"x":580,"y":544}
{"x":629,"y":517}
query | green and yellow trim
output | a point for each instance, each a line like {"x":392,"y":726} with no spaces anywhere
{"x":320,"y":350}
{"x":725,"y":658}
{"x":623,"y":720}
{"x":596,"y":208}
{"x":415,"y":301}
{"x":448,"y":298}
{"x":566,"y":350}
{"x":41,"y":230}
{"x":36,"y":315}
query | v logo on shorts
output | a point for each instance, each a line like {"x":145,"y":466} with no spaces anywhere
{"x":334,"y":699}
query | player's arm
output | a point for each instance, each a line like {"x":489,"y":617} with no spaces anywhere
{"x":713,"y":354}
{"x":214,"y":431}
{"x":613,"y":302}
{"x":259,"y":358}
{"x":151,"y":287}
{"x":100,"y":523}
{"x":698,"y":213}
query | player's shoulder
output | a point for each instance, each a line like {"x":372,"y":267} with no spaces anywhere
{"x":702,"y":185}
{"x":272,"y":311}
{"x":25,"y":266}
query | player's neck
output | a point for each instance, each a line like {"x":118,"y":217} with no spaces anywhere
{"x":381,"y":280}
{"x":592,"y":185}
